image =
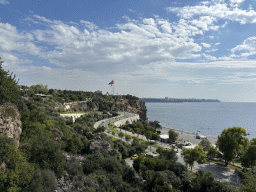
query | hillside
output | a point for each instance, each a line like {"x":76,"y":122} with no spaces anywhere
{"x":42,"y":151}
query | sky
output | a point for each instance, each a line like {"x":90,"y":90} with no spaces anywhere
{"x":150,"y":48}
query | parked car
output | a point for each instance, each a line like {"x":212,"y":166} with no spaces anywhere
{"x":134,"y":156}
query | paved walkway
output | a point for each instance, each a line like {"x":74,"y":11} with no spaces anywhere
{"x":220,"y":173}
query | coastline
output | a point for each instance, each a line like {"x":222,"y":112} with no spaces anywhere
{"x":188,"y":137}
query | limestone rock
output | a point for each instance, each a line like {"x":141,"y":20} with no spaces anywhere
{"x":3,"y":166}
{"x":97,"y":144}
{"x":10,"y":123}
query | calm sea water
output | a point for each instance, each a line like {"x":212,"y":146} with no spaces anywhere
{"x":204,"y":118}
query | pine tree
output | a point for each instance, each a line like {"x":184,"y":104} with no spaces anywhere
{"x":9,"y":89}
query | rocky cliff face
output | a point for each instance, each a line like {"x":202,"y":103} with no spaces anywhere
{"x":134,"y":106}
{"x":10,"y":123}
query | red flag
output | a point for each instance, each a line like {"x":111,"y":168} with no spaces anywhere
{"x":111,"y":83}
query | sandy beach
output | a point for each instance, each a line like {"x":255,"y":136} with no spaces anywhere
{"x":188,"y":137}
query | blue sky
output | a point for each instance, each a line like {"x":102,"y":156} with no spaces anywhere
{"x":150,"y":48}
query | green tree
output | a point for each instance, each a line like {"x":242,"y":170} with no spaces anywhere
{"x":191,"y":155}
{"x":148,"y":135}
{"x":9,"y":89}
{"x":121,"y":134}
{"x":155,"y":136}
{"x":212,"y":152}
{"x":170,"y":155}
{"x":248,"y":180}
{"x":100,"y":129}
{"x":74,"y":144}
{"x":173,"y":136}
{"x":253,"y":141}
{"x":249,"y":158}
{"x":231,"y":141}
{"x":43,"y":181}
{"x":128,"y":137}
{"x":47,"y":154}
{"x":205,"y":144}
{"x":18,"y":171}
{"x":39,"y":89}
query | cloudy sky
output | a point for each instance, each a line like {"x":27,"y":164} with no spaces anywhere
{"x":150,"y":48}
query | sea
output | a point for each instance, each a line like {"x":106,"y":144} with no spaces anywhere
{"x":206,"y":118}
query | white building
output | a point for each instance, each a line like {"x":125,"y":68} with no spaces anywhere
{"x":164,"y":138}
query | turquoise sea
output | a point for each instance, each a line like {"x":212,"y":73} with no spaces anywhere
{"x":205,"y":118}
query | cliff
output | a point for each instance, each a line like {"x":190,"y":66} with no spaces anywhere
{"x":10,"y":123}
{"x":133,"y":106}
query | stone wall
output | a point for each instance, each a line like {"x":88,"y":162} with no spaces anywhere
{"x":123,"y":121}
{"x":74,"y":116}
{"x":96,"y":125}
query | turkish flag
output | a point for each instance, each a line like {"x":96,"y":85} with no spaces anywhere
{"x":112,"y":82}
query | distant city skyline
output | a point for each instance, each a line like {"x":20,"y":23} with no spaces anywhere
{"x":176,"y":49}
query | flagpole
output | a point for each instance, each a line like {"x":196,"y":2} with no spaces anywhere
{"x":113,"y":87}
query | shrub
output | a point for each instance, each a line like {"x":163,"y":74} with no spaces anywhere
{"x":170,"y":155}
{"x":8,"y":112}
{"x":18,"y":171}
{"x":42,"y":181}
{"x":47,"y":154}
{"x":74,"y":144}
{"x":100,"y":129}
{"x":73,"y":168}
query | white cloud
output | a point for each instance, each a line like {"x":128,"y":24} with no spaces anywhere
{"x":12,"y":40}
{"x":247,"y":48}
{"x":42,"y":19}
{"x":86,"y":46}
{"x":217,"y":43}
{"x":236,"y":1}
{"x":217,"y":10}
{"x":206,"y":45}
{"x":205,"y":22}
{"x":4,"y":2}
{"x":131,"y":10}
{"x":210,"y":57}
{"x":89,"y":25}
{"x":211,"y":50}
{"x":165,"y":26}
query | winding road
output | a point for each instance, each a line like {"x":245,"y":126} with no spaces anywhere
{"x":220,"y":173}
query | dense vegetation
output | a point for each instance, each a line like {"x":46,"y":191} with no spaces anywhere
{"x":149,"y":129}
{"x":39,"y":164}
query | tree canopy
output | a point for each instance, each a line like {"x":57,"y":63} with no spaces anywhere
{"x":205,"y":144}
{"x":18,"y":171}
{"x":9,"y":89}
{"x":231,"y":141}
{"x":191,"y":155}
{"x":173,"y":136}
{"x":249,"y":158}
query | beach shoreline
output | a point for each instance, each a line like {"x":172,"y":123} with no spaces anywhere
{"x":188,"y":137}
